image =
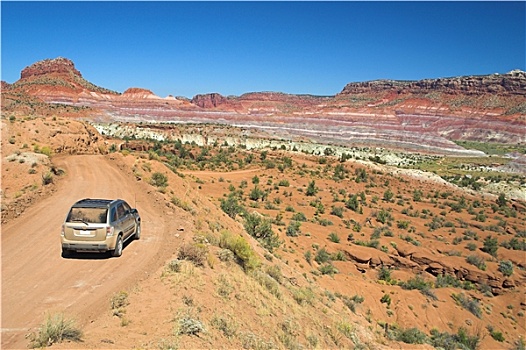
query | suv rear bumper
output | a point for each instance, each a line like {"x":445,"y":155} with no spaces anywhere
{"x":91,"y":247}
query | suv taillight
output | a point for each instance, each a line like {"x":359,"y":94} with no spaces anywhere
{"x":109,"y":231}
{"x":62,"y":233}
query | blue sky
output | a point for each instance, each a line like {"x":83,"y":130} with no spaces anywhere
{"x":186,"y":48}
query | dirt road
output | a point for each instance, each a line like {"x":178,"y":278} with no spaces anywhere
{"x":36,"y":280}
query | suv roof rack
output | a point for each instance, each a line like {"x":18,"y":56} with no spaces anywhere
{"x":93,"y":203}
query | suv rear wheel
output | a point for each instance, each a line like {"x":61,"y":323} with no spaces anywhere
{"x":118,"y":247}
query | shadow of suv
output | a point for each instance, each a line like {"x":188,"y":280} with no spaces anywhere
{"x":99,"y":225}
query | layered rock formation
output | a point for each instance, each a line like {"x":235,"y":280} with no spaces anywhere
{"x":422,"y":116}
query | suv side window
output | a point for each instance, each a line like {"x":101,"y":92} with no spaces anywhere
{"x":120,"y":211}
{"x":113,"y":214}
{"x":126,"y":207}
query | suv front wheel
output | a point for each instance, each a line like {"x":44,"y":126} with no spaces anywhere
{"x":138,"y":232}
{"x":118,"y":247}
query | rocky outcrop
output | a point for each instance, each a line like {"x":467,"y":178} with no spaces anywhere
{"x":513,"y":82}
{"x":60,"y":66}
{"x":5,"y":85}
{"x":208,"y":100}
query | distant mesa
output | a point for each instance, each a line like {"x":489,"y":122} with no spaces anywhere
{"x":139,"y":93}
{"x":57,"y":65}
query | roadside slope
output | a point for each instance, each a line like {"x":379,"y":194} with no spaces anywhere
{"x":37,"y":280}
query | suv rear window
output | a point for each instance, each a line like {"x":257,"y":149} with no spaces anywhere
{"x":90,"y":215}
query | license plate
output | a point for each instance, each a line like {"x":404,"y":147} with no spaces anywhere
{"x":84,"y":232}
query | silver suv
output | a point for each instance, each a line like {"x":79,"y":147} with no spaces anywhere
{"x":99,"y":225}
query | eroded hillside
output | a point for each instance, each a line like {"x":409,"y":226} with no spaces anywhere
{"x":272,"y":248}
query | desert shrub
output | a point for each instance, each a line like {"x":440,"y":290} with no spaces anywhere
{"x":490,"y":246}
{"x":275,"y":272}
{"x":293,"y":230}
{"x":47,"y":178}
{"x":384,"y":216}
{"x":470,"y":304}
{"x":311,"y":189}
{"x":461,"y":340}
{"x":410,"y":336}
{"x":299,"y":216}
{"x":328,"y":269}
{"x":447,"y":280}
{"x":55,"y":329}
{"x":225,"y":255}
{"x":119,"y":300}
{"x":322,"y":256}
{"x":386,"y":299}
{"x":388,"y":195}
{"x":337,"y":211}
{"x":373,"y":243}
{"x":284,"y":183}
{"x":403,"y":224}
{"x":253,"y":341}
{"x":270,"y":284}
{"x":261,"y":228}
{"x":194,"y":252}
{"x":241,"y":249}
{"x":159,"y":180}
{"x":324,"y":222}
{"x":353,"y":204}
{"x":384,"y":274}
{"x":308,"y":256}
{"x":495,"y":334}
{"x":226,"y":324}
{"x":333,"y":237}
{"x":506,"y":267}
{"x":514,"y":244}
{"x":189,"y":326}
{"x":231,"y":206}
{"x":303,"y":295}
{"x":290,"y":208}
{"x":418,"y":282}
{"x":46,"y":150}
{"x":476,"y":260}
{"x":175,"y":265}
{"x":471,"y":246}
{"x":178,"y":202}
{"x":256,"y":194}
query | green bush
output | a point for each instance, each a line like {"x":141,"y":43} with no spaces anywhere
{"x":384,"y":274}
{"x":386,"y":299}
{"x":477,"y":261}
{"x":470,"y":304}
{"x":293,"y":230}
{"x":299,"y":216}
{"x":47,"y":178}
{"x":322,"y":256}
{"x":231,"y":206}
{"x":490,"y":246}
{"x":241,"y":249}
{"x":506,"y":267}
{"x":194,"y":252}
{"x":411,"y":336}
{"x":333,"y":237}
{"x":159,"y":180}
{"x":311,"y":189}
{"x":447,"y":280}
{"x":261,"y":228}
{"x":461,"y":340}
{"x":55,"y":329}
{"x":337,"y":211}
{"x":328,"y":269}
{"x":420,"y":284}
